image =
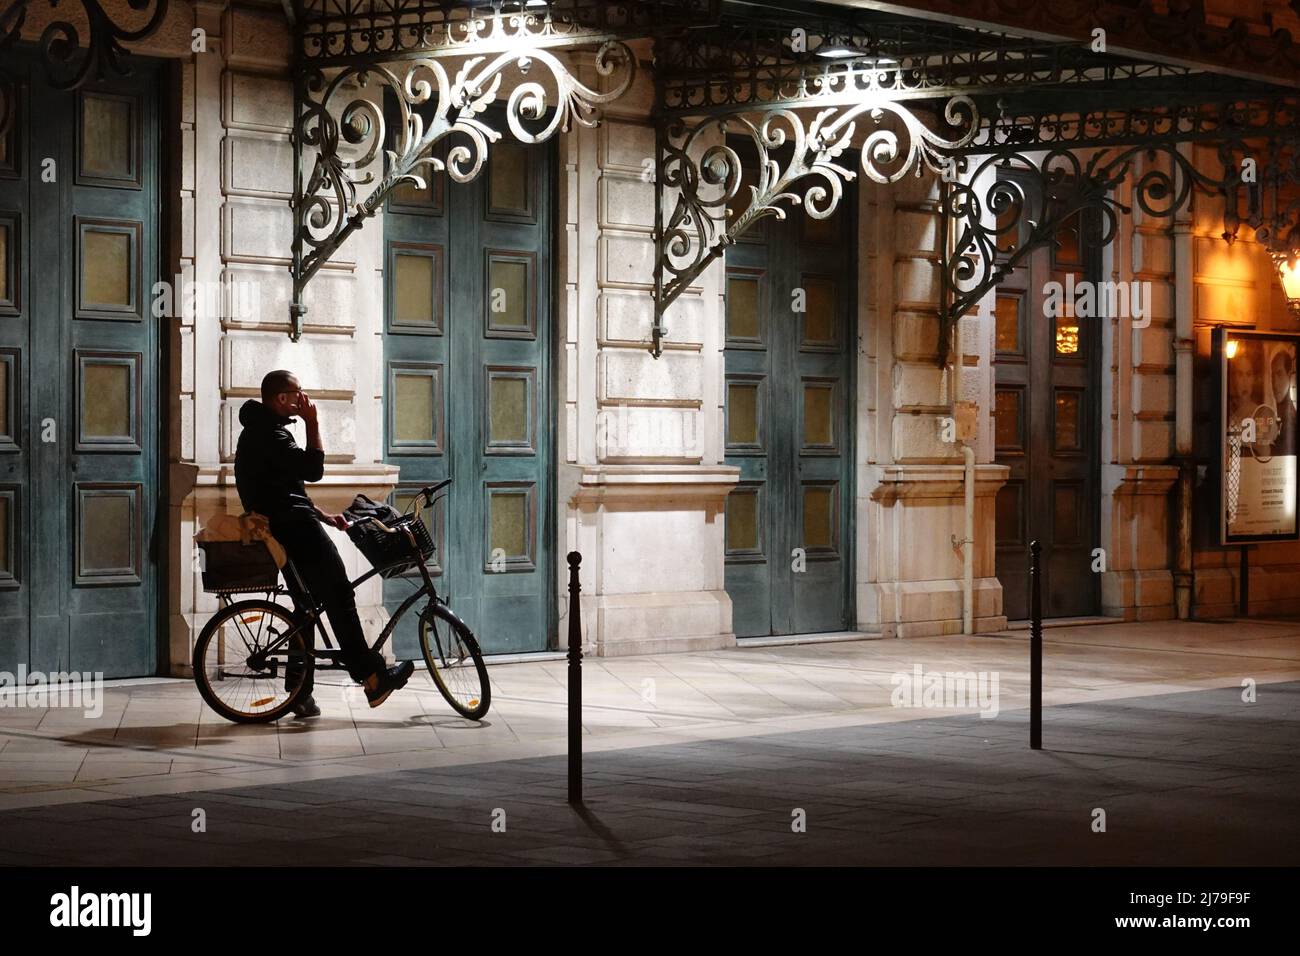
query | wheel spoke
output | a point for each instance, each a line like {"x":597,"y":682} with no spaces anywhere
{"x":451,"y":659}
{"x":235,"y":689}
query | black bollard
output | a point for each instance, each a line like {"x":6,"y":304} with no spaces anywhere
{"x":575,"y":680}
{"x":1035,"y":648}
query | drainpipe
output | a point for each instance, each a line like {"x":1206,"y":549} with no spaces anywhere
{"x":968,"y":546}
{"x":963,"y":416}
{"x":1184,"y":354}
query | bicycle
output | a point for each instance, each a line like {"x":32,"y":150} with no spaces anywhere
{"x":247,"y":655}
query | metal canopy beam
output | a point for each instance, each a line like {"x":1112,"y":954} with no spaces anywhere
{"x":750,"y":64}
{"x":958,"y":100}
{"x":1168,"y":31}
{"x":341,"y":32}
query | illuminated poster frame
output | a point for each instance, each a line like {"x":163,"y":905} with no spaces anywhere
{"x":1258,"y":440}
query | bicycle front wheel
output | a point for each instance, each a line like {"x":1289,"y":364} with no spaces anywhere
{"x":455,"y":661}
{"x":244,"y":671}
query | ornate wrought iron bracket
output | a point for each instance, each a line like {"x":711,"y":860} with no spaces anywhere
{"x":795,"y":162}
{"x":987,"y":205}
{"x":1272,"y":203}
{"x":67,"y":64}
{"x":340,"y":132}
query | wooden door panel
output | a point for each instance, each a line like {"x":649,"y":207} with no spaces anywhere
{"x":110,"y":388}
{"x":15,"y":383}
{"x":476,"y":304}
{"x":78,"y":376}
{"x":1047,"y":431}
{"x":788,"y":423}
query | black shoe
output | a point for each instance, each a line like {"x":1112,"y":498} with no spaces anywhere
{"x":306,"y":707}
{"x":385,"y":682}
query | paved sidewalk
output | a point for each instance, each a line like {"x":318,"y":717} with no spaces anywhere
{"x":766,"y":724}
{"x":1184,"y":779}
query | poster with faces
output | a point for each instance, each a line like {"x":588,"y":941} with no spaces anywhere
{"x":1258,"y":377}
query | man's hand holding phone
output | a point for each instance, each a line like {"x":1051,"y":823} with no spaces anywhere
{"x":307,"y":408}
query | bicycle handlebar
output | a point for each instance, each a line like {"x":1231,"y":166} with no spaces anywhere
{"x":432,"y":490}
{"x":382,"y":527}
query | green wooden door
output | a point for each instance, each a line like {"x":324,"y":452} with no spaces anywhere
{"x":789,"y":424}
{"x":468,"y":390}
{"x":78,"y":376}
{"x":1046,"y":414}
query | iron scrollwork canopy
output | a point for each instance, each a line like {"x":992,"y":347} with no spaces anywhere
{"x":796,"y":161}
{"x":1077,"y":163}
{"x":350,"y":52}
{"x":1169,"y":30}
{"x":67,"y":63}
{"x":983,"y":210}
{"x":1075,"y":120}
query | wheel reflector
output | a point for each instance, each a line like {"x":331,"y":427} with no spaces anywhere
{"x":263,"y":702}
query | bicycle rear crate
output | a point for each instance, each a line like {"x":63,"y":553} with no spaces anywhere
{"x":230,"y":567}
{"x":382,"y":549}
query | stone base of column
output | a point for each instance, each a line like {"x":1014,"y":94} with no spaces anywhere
{"x":1138,"y":584}
{"x":910,"y":561}
{"x":660,"y":622}
{"x":651,"y":538}
{"x":928,"y":608}
{"x":1138,"y":595}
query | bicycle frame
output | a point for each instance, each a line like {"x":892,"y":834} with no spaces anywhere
{"x":314,"y":616}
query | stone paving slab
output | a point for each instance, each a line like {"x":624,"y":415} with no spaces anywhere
{"x":156,"y":737}
{"x":1196,"y":778}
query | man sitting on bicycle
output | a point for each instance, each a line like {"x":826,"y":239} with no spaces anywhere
{"x":270,"y":470}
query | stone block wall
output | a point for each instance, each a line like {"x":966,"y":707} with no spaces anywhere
{"x":910,"y":495}
{"x":642,"y":486}
{"x":1138,"y":414}
{"x":229,"y":185}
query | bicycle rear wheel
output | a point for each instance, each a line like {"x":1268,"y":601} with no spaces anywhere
{"x":238,"y":674}
{"x":455,"y":661}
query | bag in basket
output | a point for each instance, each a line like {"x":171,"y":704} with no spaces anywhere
{"x":391,"y":553}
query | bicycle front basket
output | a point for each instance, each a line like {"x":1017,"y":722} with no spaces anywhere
{"x":230,"y":567}
{"x":391,"y":553}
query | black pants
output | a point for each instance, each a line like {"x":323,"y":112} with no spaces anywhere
{"x":318,"y":563}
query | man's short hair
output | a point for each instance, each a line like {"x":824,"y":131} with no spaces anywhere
{"x":273,"y":383}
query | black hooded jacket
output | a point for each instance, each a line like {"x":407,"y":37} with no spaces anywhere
{"x":270,"y":468}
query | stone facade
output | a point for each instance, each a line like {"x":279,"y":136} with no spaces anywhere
{"x":641,"y":474}
{"x":642,"y":482}
{"x":910,"y":481}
